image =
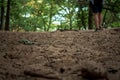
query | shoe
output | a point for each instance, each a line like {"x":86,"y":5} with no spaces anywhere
{"x":96,"y":29}
{"x":101,"y":28}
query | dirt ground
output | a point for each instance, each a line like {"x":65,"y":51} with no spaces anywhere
{"x":59,"y":55}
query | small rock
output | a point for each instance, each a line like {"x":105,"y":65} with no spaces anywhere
{"x":62,"y":70}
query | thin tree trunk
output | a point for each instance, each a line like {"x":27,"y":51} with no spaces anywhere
{"x":103,"y":24}
{"x":70,"y":18}
{"x":90,"y":18}
{"x":78,"y":20}
{"x":50,"y":16}
{"x":83,"y":19}
{"x":7,"y":16}
{"x":2,"y":15}
{"x":70,"y":23}
{"x":78,"y":15}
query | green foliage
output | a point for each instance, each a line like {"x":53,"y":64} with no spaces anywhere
{"x":112,"y":17}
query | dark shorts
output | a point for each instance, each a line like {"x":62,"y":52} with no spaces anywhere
{"x":97,"y":8}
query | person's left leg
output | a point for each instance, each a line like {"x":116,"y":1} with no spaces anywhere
{"x":100,"y":19}
{"x":96,"y":19}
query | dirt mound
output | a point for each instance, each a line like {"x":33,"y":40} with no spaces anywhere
{"x":59,"y":55}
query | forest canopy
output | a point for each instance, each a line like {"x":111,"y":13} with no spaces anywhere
{"x":51,"y":15}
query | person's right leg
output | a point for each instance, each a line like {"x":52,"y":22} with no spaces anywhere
{"x":96,"y":19}
{"x":100,"y":19}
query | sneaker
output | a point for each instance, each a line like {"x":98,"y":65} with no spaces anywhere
{"x":101,"y":28}
{"x":96,"y":29}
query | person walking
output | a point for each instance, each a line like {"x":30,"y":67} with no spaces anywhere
{"x":97,"y":6}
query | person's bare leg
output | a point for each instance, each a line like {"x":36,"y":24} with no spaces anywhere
{"x":100,"y":19}
{"x":96,"y":18}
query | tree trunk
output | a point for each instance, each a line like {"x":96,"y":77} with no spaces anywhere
{"x":2,"y":15}
{"x":50,"y":16}
{"x":7,"y":16}
{"x":78,"y":19}
{"x":103,"y":24}
{"x":78,"y":15}
{"x":70,"y":23}
{"x":83,"y":19}
{"x":90,"y":18}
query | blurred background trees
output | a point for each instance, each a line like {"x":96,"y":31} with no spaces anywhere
{"x":51,"y":15}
